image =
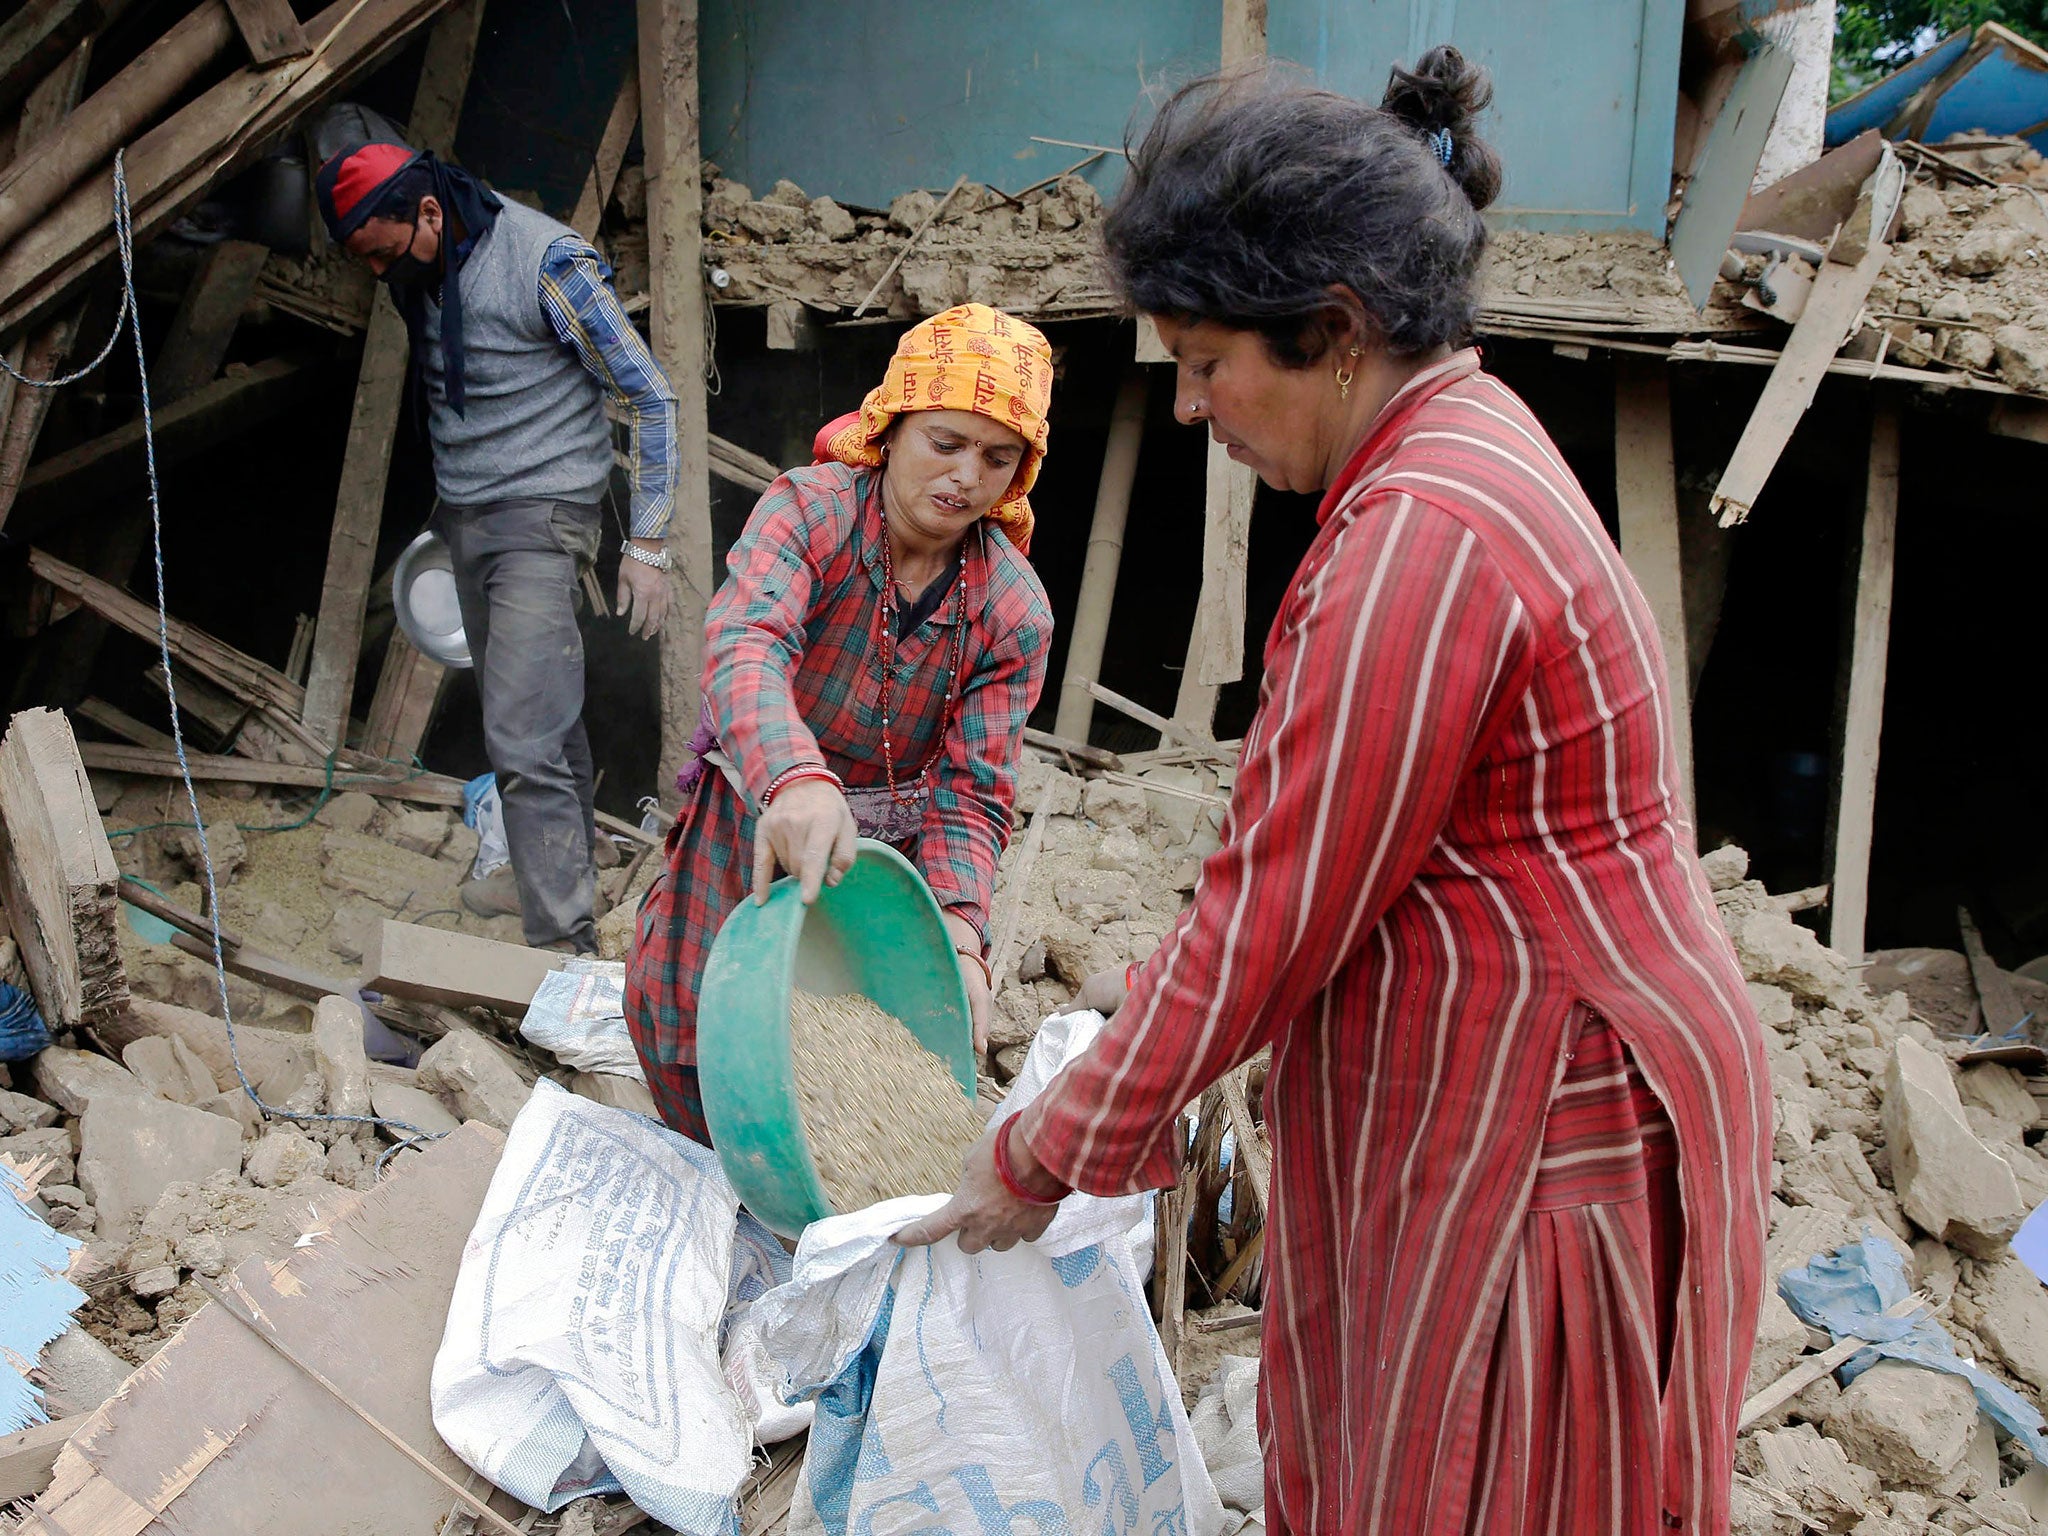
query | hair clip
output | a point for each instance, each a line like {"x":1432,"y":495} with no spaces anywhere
{"x":1440,"y":141}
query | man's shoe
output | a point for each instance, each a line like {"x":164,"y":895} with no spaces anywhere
{"x":496,"y":895}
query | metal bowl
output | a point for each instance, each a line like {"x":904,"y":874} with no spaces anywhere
{"x":423,"y":589}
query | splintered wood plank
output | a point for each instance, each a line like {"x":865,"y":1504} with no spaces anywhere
{"x":438,"y":966}
{"x":419,"y":789}
{"x":1863,"y":692}
{"x":58,"y":874}
{"x":402,"y":709}
{"x":27,"y":1455}
{"x":269,"y":30}
{"x":219,"y":1433}
{"x":1216,"y":648}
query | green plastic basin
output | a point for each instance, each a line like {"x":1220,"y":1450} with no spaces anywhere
{"x":877,"y":933}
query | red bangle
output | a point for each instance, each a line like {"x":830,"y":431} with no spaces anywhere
{"x":988,"y":972}
{"x":1131,"y":974}
{"x":1010,"y":1180}
{"x":797,"y":775}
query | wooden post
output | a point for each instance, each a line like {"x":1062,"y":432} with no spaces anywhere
{"x":380,"y":389}
{"x":1863,"y":695}
{"x":408,"y":691}
{"x":1646,"y":494}
{"x":197,"y":345}
{"x":58,"y":873}
{"x":1105,"y":555}
{"x":611,"y":153}
{"x":1216,"y":649}
{"x":675,"y":257}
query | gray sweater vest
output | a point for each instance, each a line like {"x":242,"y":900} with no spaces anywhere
{"x":535,"y":423}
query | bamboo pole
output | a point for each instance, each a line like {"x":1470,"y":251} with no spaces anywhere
{"x":1105,"y":556}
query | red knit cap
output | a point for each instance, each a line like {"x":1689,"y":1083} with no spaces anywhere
{"x":348,"y":180}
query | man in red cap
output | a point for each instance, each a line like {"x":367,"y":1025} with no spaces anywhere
{"x":517,"y":339}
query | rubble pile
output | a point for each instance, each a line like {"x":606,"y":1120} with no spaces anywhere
{"x":1965,"y":286}
{"x":1879,"y":1128}
{"x":1036,"y":253}
{"x":1117,"y":866}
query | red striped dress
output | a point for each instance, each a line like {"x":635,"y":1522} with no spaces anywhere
{"x":1458,"y":896}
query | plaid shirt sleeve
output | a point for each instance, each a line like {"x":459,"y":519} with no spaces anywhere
{"x":974,"y":785}
{"x":576,"y":295}
{"x":754,"y":636}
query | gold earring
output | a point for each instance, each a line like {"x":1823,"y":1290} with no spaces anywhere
{"x":1344,"y":379}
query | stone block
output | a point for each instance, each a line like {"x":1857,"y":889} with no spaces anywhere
{"x":73,"y":1079}
{"x":460,"y":849}
{"x":479,"y":1075}
{"x":1948,"y":1181}
{"x":1815,"y":1474}
{"x":19,"y":1112}
{"x":350,"y":811}
{"x":1096,"y":896}
{"x":226,"y":849}
{"x":830,"y":220}
{"x":2012,"y":1318}
{"x":1043,"y":787}
{"x":1111,"y":804}
{"x":422,"y":832}
{"x":415,"y":1107}
{"x":1775,"y":950}
{"x":1773,"y":1005}
{"x":2022,"y":356}
{"x":282,"y":1156}
{"x":391,"y":877}
{"x":1906,"y":1423}
{"x":1999,"y":1090}
{"x":51,"y":1142}
{"x":134,"y":1147}
{"x":1726,"y":867}
{"x":169,"y":1069}
{"x":1119,"y":850}
{"x":235,"y":1105}
{"x":338,"y":1052}
{"x":1780,"y":1340}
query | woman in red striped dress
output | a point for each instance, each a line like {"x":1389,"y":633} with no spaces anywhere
{"x":1519,"y":1112}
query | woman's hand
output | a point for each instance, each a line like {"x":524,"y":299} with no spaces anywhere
{"x":982,"y":1213}
{"x":981,"y":1001}
{"x":1104,"y":992}
{"x":809,"y":831}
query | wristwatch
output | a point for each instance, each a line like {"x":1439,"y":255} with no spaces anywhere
{"x":661,"y":559}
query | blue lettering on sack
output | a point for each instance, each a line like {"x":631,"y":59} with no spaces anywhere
{"x":1073,"y":1268}
{"x":991,"y":1516}
{"x":1149,"y":1425}
{"x":1111,"y":1491}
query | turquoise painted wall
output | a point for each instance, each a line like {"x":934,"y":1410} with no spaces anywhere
{"x":865,"y":101}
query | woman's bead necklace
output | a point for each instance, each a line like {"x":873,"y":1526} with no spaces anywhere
{"x":885,"y":646}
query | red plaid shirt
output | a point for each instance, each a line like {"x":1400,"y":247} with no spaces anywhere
{"x":792,"y":675}
{"x":1456,"y":825}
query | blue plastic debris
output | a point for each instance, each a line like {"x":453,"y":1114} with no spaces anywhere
{"x":22,"y":1031}
{"x":36,"y":1299}
{"x":1847,"y":1293}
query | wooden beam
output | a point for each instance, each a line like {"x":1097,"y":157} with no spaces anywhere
{"x":402,"y":710}
{"x":1998,"y":1003}
{"x":1862,"y":709}
{"x":38,"y":35}
{"x":247,"y":678}
{"x":113,"y":463}
{"x":1832,"y":311}
{"x":58,"y":874}
{"x":269,"y":30}
{"x":1076,"y":751}
{"x":171,"y":166}
{"x":610,"y":155}
{"x":1169,"y":730}
{"x":438,"y":965}
{"x":675,"y":249}
{"x":418,"y":789}
{"x":373,"y":423}
{"x":27,"y":1455}
{"x":1216,"y":648}
{"x":1090,"y":632}
{"x":122,"y":724}
{"x":197,"y":345}
{"x":1646,"y":498}
{"x":266,"y":970}
{"x":112,"y":116}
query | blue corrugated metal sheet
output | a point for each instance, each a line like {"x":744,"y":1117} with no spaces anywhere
{"x":2004,"y":92}
{"x":864,"y":102}
{"x":1585,"y":95}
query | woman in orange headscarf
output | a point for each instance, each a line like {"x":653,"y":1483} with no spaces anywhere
{"x":868,"y":668}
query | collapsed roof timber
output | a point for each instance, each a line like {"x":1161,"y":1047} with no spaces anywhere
{"x":1737,"y":329}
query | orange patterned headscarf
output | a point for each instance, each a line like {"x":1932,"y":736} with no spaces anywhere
{"x":971,"y":358}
